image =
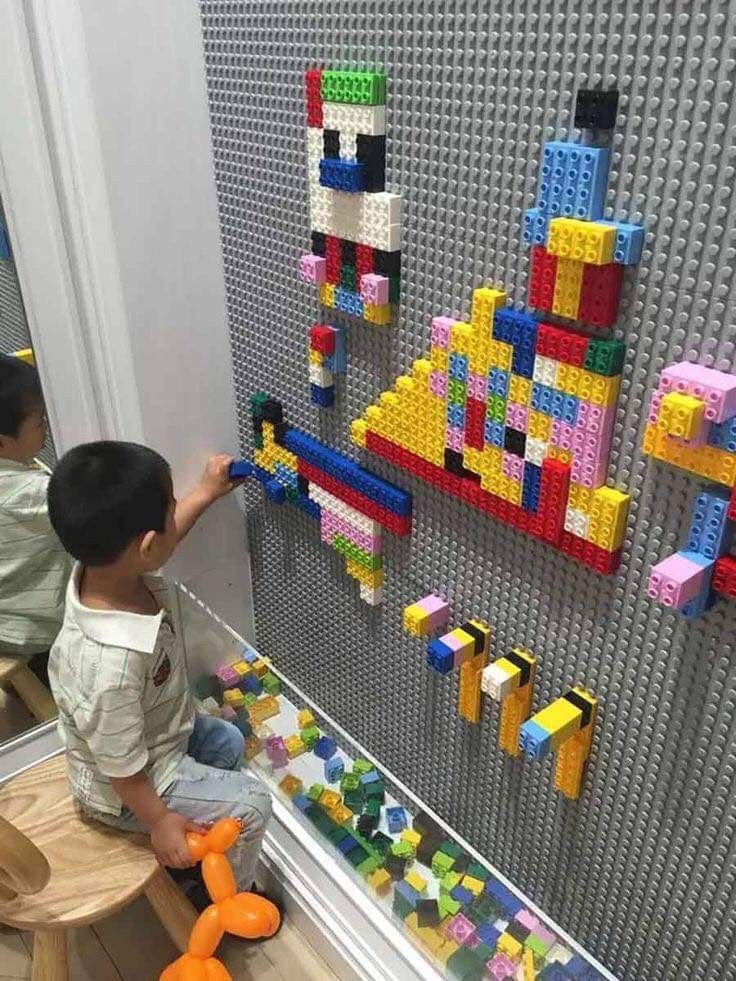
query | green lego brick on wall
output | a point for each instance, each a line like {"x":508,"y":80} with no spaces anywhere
{"x":604,"y":357}
{"x":358,"y":88}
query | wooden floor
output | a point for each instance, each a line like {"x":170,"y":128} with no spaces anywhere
{"x":133,"y":946}
{"x":14,"y":716}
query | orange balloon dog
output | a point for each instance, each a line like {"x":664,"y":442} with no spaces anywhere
{"x":244,"y":914}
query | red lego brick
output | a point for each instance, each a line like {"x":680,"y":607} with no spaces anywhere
{"x":322,"y":339}
{"x":398,"y":524}
{"x":333,"y":249}
{"x":364,"y":260}
{"x":561,"y":344}
{"x":599,"y":294}
{"x":724,"y":576}
{"x":313,"y":97}
{"x":475,"y":417}
{"x":731,"y":513}
{"x":542,"y":274}
{"x":553,"y":498}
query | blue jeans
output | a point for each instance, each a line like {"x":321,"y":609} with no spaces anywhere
{"x":208,"y":784}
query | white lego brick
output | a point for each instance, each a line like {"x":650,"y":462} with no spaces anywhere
{"x":315,"y":148}
{"x":383,"y":207}
{"x":496,"y":683}
{"x":320,"y":376}
{"x":373,"y":595}
{"x":536,"y":450}
{"x":368,"y":120}
{"x":348,"y":144}
{"x":545,"y":370}
{"x":577,"y":522}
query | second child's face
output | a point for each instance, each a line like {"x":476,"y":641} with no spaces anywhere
{"x":30,"y":438}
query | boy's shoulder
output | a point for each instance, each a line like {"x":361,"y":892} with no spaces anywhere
{"x":22,"y":485}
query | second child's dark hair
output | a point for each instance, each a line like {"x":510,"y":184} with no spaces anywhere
{"x":103,"y":495}
{"x":20,"y":393}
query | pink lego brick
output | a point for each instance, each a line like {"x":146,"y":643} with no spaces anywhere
{"x":512,"y":466}
{"x":517,"y":416}
{"x":227,"y":676}
{"x":654,"y":404}
{"x":477,"y":386}
{"x":454,"y":438}
{"x":313,"y":269}
{"x":438,"y":384}
{"x":716,"y":388}
{"x":526,"y":919}
{"x":600,"y":420}
{"x":459,"y":928}
{"x":675,"y":580}
{"x":374,"y":288}
{"x":437,"y":610}
{"x":561,"y":434}
{"x":441,"y":327}
{"x":590,"y":475}
{"x":500,"y":967}
{"x":545,"y":936}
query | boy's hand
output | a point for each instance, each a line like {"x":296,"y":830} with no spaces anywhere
{"x":215,"y":481}
{"x":168,"y":839}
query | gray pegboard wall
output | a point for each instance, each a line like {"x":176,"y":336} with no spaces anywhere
{"x":641,"y":869}
{"x":13,"y":325}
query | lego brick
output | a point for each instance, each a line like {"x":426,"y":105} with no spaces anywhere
{"x":596,"y":109}
{"x":359,"y":88}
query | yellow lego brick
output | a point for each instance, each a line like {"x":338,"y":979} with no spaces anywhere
{"x":561,"y":719}
{"x":567,"y":378}
{"x":25,"y":354}
{"x":372,"y":578}
{"x":358,"y":431}
{"x":341,"y":814}
{"x":568,"y":281}
{"x":294,"y":746}
{"x":706,"y":461}
{"x":260,"y":667}
{"x":520,"y":389}
{"x":461,"y":337}
{"x":467,"y":643}
{"x":472,"y":885}
{"x":486,"y":300}
{"x":527,"y":964}
{"x":575,"y":751}
{"x":515,"y":709}
{"x":411,"y":836}
{"x":485,"y":630}
{"x":500,"y":354}
{"x":585,"y":241}
{"x":241,"y":668}
{"x":420,"y":370}
{"x":428,"y":936}
{"x":557,"y":453}
{"x":380,"y":881}
{"x":252,"y":747}
{"x":377,"y":314}
{"x":540,"y":425}
{"x":233,"y":697}
{"x":510,"y":946}
{"x":415,"y":620}
{"x":649,"y":439}
{"x":291,"y":785}
{"x":681,"y":415}
{"x":445,"y":952}
{"x":469,"y":689}
{"x":438,"y":358}
{"x":473,"y":459}
{"x":327,"y":295}
{"x":265,"y":708}
{"x":608,"y":511}
{"x":304,"y":718}
{"x":329,"y":799}
{"x":315,"y":357}
{"x":580,"y":497}
{"x":416,"y":882}
{"x":264,"y":460}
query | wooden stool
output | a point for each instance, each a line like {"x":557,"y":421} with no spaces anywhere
{"x":58,"y":871}
{"x":35,"y":696}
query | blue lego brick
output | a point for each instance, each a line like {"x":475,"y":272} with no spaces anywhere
{"x":487,"y":934}
{"x":628,"y":243}
{"x":301,"y":801}
{"x":251,"y":683}
{"x":337,"y":362}
{"x":407,"y":892}
{"x":698,"y":605}
{"x":309,"y":506}
{"x":455,"y":415}
{"x":285,"y":476}
{"x":530,"y":487}
{"x":396,"y":819}
{"x":325,"y":747}
{"x":522,"y":362}
{"x":249,"y":655}
{"x":722,"y":435}
{"x":534,"y":741}
{"x":323,"y":397}
{"x":240,"y":469}
{"x":457,"y":367}
{"x":4,"y":243}
{"x":529,"y":225}
{"x":510,"y":903}
{"x":498,"y":382}
{"x":576,"y":967}
{"x":587,"y":174}
{"x":440,"y":657}
{"x":275,"y":491}
{"x":707,"y":534}
{"x":261,"y":475}
{"x":515,"y":327}
{"x":462,"y":895}
{"x":371,"y":777}
{"x":554,"y":972}
{"x":570,"y":409}
{"x":347,"y":844}
{"x":494,"y":433}
{"x":334,"y":769}
{"x":348,"y":472}
{"x":542,"y":398}
{"x":342,"y":175}
{"x":552,"y":175}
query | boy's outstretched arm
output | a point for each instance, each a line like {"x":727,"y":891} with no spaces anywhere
{"x":214,"y":483}
{"x":167,"y":828}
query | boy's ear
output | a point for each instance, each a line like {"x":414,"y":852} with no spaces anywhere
{"x":147,"y":544}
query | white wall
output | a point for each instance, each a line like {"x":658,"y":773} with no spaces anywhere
{"x":122,"y":93}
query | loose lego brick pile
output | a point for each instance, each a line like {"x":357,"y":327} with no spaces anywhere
{"x":451,"y":906}
{"x":352,"y":505}
{"x":691,"y":424}
{"x":355,"y":261}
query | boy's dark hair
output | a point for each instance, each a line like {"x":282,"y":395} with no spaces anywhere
{"x":103,"y":495}
{"x":20,"y":393}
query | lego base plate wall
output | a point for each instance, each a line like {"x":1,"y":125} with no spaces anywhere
{"x":638,"y":869}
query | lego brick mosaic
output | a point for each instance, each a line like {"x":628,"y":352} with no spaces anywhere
{"x":639,"y":868}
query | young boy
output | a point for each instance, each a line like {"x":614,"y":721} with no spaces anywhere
{"x":139,"y":757}
{"x":34,"y":568}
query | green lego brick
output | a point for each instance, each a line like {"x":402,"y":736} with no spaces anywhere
{"x":353,"y":800}
{"x":456,"y":391}
{"x":337,"y":834}
{"x":402,"y":849}
{"x":604,"y":357}
{"x":449,"y":881}
{"x":401,"y":907}
{"x":315,"y":791}
{"x":373,"y":808}
{"x":451,"y":848}
{"x":381,"y":842}
{"x":536,"y":946}
{"x":351,"y":551}
{"x":249,"y":698}
{"x":485,"y":906}
{"x":309,"y":737}
{"x":357,"y":855}
{"x":361,"y":767}
{"x":496,"y":408}
{"x":394,"y":289}
{"x":463,"y":964}
{"x":375,"y":790}
{"x":347,"y":277}
{"x":441,"y":864}
{"x":477,"y":871}
{"x":447,"y":905}
{"x":368,"y":865}
{"x":358,"y":88}
{"x":291,"y":495}
{"x":258,"y":441}
{"x":256,"y":401}
{"x":270,"y":682}
{"x":350,"y":781}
